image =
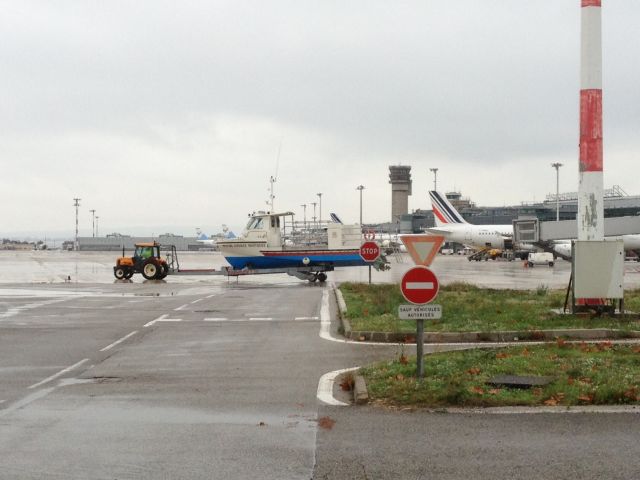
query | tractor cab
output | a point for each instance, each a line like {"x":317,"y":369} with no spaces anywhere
{"x":144,"y":251}
{"x":146,"y":260}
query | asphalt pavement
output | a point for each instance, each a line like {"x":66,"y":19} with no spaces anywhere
{"x":209,"y":378}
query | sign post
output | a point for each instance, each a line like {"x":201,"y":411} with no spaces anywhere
{"x":369,"y":250}
{"x":420,"y":286}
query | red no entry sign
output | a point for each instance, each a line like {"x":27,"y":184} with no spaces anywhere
{"x":419,"y":285}
{"x":369,"y":251}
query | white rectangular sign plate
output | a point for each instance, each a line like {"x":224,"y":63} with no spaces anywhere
{"x":417,"y":312}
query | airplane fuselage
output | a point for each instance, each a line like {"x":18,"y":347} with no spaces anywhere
{"x":476,"y":236}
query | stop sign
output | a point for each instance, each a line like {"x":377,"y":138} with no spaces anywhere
{"x":419,"y":285}
{"x":369,"y":251}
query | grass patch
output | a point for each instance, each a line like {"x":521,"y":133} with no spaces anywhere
{"x":585,"y":374}
{"x":467,"y":308}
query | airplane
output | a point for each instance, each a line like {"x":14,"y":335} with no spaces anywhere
{"x":212,"y":241}
{"x":450,"y":223}
{"x":631,"y":242}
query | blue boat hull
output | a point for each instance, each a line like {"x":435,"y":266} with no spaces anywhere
{"x":291,"y":259}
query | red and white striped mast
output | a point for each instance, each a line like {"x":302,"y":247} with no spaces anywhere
{"x":590,"y":190}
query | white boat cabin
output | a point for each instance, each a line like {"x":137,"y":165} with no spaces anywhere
{"x":271,"y":228}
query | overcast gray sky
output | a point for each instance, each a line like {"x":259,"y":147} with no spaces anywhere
{"x":160,"y":113}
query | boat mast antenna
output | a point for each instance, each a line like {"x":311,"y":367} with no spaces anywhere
{"x":274,"y":178}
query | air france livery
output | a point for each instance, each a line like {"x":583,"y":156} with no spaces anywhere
{"x":450,"y":223}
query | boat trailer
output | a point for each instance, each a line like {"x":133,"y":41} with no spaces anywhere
{"x":312,"y":273}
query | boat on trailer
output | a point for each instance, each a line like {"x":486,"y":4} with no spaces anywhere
{"x":265,"y":245}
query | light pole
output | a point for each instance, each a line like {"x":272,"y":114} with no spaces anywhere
{"x":304,"y":217}
{"x":435,"y":178}
{"x":93,"y":223}
{"x":97,"y":217}
{"x":557,"y":166}
{"x":314,"y":213}
{"x":360,"y":187}
{"x":320,"y":214}
{"x":76,"y":203}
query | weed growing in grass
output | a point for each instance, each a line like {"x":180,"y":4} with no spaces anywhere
{"x":542,"y":290}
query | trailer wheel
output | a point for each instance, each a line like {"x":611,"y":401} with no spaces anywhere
{"x":150,"y":269}
{"x":120,"y":273}
{"x":322,"y":277}
{"x":551,"y":264}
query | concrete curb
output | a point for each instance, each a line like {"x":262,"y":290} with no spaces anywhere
{"x":492,"y":337}
{"x":342,"y":310}
{"x":360,"y":393}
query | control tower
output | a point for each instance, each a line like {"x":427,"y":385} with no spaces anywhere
{"x":400,"y":180}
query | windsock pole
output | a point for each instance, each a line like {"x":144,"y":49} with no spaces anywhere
{"x":590,"y":190}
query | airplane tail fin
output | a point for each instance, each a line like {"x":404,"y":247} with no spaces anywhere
{"x":443,"y":212}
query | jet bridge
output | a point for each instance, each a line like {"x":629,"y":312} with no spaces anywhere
{"x":527,"y":229}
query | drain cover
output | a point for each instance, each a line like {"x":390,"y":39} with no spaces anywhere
{"x":518,"y":381}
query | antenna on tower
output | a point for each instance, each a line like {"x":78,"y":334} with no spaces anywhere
{"x":274,"y":178}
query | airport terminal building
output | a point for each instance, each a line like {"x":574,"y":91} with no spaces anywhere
{"x":617,"y":203}
{"x":115,"y":242}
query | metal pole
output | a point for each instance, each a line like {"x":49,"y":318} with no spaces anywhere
{"x":369,"y":274}
{"x":360,"y":187}
{"x":557,"y":167}
{"x":590,"y":189}
{"x":420,"y":348}
{"x":76,"y":203}
{"x":435,"y":178}
{"x":93,"y":223}
{"x":320,"y":213}
{"x":97,"y":217}
{"x":314,"y":212}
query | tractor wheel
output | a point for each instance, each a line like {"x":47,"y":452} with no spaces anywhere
{"x":150,"y":269}
{"x":322,"y":277}
{"x":164,"y":271}
{"x":120,"y":273}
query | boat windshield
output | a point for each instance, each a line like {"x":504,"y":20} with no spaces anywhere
{"x":254,"y":223}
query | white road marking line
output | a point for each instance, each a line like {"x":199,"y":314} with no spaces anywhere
{"x":260,"y":319}
{"x":181,"y":307}
{"x":325,"y":387}
{"x":13,"y":311}
{"x":306,"y":318}
{"x":325,"y":321}
{"x":216,"y":319}
{"x":59,"y":374}
{"x":210,"y":296}
{"x":161,"y":317}
{"x":27,"y":400}
{"x":419,"y":286}
{"x":108,"y":347}
{"x":198,"y":300}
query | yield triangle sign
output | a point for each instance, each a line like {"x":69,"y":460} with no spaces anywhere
{"x":422,"y":247}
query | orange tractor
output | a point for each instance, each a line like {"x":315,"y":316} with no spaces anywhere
{"x":146,"y":260}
